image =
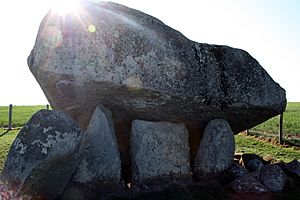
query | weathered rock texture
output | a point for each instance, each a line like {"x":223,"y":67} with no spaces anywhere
{"x":273,"y":177}
{"x":44,"y":155}
{"x":99,"y":172}
{"x":159,"y":150}
{"x":234,"y":172}
{"x":101,"y":161}
{"x":248,"y":184}
{"x":216,"y":149}
{"x":140,"y":68}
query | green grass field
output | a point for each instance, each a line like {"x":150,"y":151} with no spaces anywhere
{"x":250,"y":144}
{"x":20,"y":115}
{"x":291,"y":121}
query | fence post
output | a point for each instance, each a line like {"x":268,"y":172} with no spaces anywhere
{"x":280,"y":128}
{"x":10,"y":117}
{"x":47,"y":106}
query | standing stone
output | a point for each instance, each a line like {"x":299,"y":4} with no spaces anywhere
{"x":273,"y":177}
{"x":216,"y":150}
{"x":159,"y":150}
{"x":99,"y":172}
{"x":101,"y":161}
{"x":44,"y":155}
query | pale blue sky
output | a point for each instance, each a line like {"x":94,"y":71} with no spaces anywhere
{"x":268,"y":29}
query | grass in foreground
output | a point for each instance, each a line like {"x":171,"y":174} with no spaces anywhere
{"x":6,"y":141}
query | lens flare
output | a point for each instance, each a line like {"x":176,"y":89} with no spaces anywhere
{"x":92,"y":28}
{"x":64,"y":7}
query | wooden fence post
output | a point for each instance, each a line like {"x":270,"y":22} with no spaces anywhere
{"x":10,"y":117}
{"x":280,"y":128}
{"x":47,"y":106}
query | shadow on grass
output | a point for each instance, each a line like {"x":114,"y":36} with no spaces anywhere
{"x":293,"y":140}
{"x":5,"y":132}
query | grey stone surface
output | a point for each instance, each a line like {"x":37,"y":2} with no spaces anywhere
{"x":142,"y":69}
{"x":101,"y":161}
{"x":246,"y":157}
{"x":159,"y":149}
{"x":99,"y":172}
{"x":44,"y":155}
{"x":254,"y":165}
{"x":234,"y":172}
{"x":248,"y":184}
{"x":273,"y":177}
{"x":216,"y":150}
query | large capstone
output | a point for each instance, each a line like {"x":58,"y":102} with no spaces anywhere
{"x":216,"y":150}
{"x":159,"y":150}
{"x":44,"y":155}
{"x":140,"y":68}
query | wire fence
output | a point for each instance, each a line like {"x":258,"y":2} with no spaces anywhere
{"x":16,"y":116}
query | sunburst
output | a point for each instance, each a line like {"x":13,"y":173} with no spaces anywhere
{"x":64,"y":7}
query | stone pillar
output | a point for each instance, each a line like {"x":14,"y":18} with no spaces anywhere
{"x":99,"y":172}
{"x":216,"y":150}
{"x":159,"y":150}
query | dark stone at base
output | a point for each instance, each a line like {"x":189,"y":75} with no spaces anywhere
{"x":84,"y":192}
{"x":160,"y":184}
{"x":293,"y":167}
{"x":236,"y":171}
{"x":273,"y":177}
{"x":248,"y":185}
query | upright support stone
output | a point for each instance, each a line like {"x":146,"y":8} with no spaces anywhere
{"x":44,"y":155}
{"x":159,"y":150}
{"x":216,"y":150}
{"x":99,"y":172}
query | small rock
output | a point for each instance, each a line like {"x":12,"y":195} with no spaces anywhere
{"x":254,"y":165}
{"x":268,"y":159}
{"x":273,"y":177}
{"x":159,"y":149}
{"x":44,"y":155}
{"x":236,"y":171}
{"x":248,"y":184}
{"x":245,"y":158}
{"x":293,"y":167}
{"x":216,"y":150}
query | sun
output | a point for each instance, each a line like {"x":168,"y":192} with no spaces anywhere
{"x":64,"y":7}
